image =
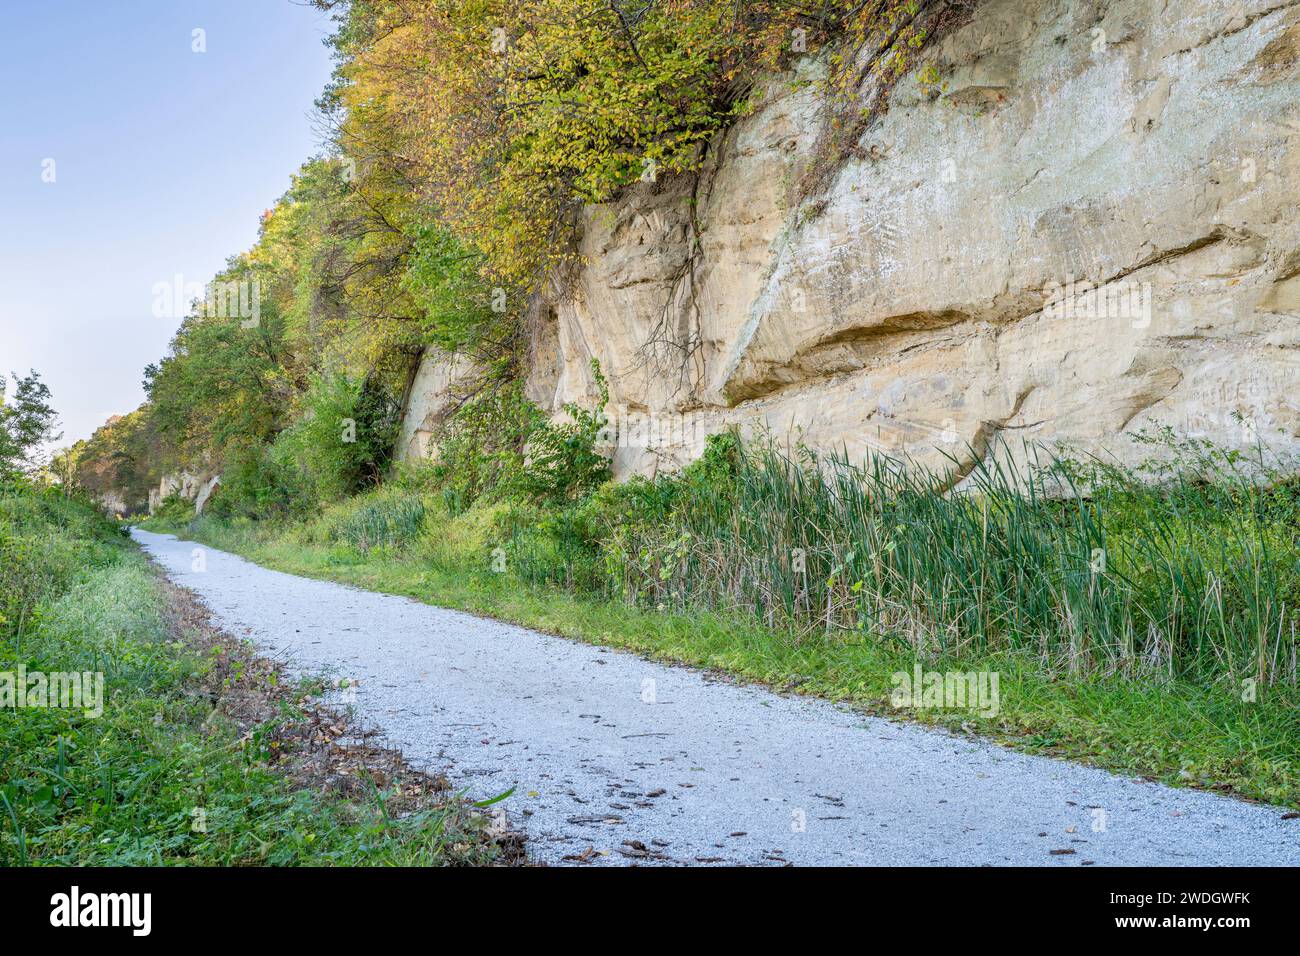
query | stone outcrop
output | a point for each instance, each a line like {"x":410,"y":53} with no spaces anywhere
{"x":439,"y":382}
{"x":1088,"y":226}
{"x":113,"y":503}
{"x":195,"y":487}
{"x":205,"y":493}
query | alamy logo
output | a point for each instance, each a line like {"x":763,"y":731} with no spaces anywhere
{"x":953,"y":690}
{"x":229,"y":299}
{"x":70,"y":690}
{"x":103,"y":909}
{"x":1085,"y":300}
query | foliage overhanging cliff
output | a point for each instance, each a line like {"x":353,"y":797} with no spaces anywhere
{"x":468,"y":136}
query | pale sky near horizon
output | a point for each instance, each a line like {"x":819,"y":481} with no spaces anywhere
{"x":163,"y":160}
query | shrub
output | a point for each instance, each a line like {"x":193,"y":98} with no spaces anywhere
{"x":344,"y":438}
{"x":480,"y":449}
{"x":563,"y":463}
{"x":174,"y":510}
{"x":499,"y":446}
{"x":262,"y":482}
{"x":583,"y":544}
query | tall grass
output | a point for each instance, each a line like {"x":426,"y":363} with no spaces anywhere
{"x":383,"y":520}
{"x":1088,"y":567}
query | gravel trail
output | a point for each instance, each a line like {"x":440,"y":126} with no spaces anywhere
{"x":604,"y":747}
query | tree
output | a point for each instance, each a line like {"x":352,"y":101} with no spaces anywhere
{"x":27,"y":422}
{"x":122,"y":458}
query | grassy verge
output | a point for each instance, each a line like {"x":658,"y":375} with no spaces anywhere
{"x":1181,"y":731}
{"x":203,"y":754}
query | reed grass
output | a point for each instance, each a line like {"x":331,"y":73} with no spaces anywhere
{"x":1090,"y":567}
{"x":383,"y":520}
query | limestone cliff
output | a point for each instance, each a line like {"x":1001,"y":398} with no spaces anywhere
{"x":1086,"y":226}
{"x":197,"y":488}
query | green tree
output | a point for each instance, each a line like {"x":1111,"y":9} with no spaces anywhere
{"x":27,"y":422}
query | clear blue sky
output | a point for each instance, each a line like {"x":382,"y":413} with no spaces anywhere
{"x":164,"y":159}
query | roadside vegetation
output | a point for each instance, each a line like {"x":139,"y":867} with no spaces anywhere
{"x":203,"y":753}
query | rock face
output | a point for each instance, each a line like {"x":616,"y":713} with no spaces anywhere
{"x":114,"y":503}
{"x":430,"y":399}
{"x":205,"y":493}
{"x":1088,"y":226}
{"x":194,"y":487}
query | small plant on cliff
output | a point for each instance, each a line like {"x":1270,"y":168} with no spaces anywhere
{"x":563,"y":461}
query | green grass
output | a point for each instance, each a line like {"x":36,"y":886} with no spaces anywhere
{"x":1175,"y":728}
{"x":129,"y":787}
